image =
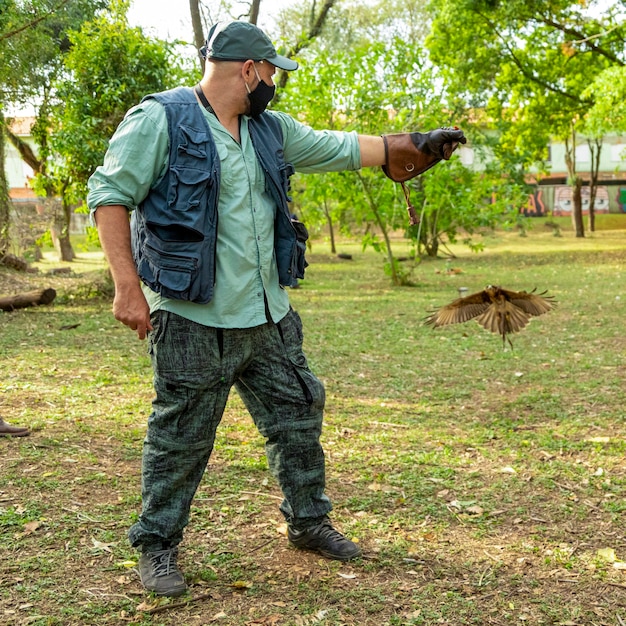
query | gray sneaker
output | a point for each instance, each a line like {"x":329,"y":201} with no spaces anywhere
{"x":160,"y":574}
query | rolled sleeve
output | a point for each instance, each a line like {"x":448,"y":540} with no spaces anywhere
{"x":135,"y":160}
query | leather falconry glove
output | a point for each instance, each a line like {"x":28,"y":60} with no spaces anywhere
{"x":408,"y":155}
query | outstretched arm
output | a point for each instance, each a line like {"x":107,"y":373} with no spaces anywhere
{"x":372,"y":150}
{"x":129,"y":305}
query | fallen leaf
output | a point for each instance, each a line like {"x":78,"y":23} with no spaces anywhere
{"x":31,"y":527}
{"x":269,"y":620}
{"x":100,"y":545}
{"x":507,"y":470}
{"x":619,"y":565}
{"x":474,"y":510}
{"x":349,"y":576}
{"x":242,"y":584}
{"x":608,"y":554}
{"x":461,"y":504}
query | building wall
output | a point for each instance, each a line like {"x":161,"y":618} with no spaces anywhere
{"x":18,"y":173}
{"x":557,"y":199}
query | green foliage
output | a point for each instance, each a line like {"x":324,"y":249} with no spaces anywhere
{"x":375,"y":87}
{"x":455,"y":201}
{"x":34,"y":39}
{"x":608,"y":93}
{"x":109,"y":69}
{"x":531,"y":62}
{"x":33,"y":42}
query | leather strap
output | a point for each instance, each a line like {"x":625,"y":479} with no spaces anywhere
{"x":205,"y":103}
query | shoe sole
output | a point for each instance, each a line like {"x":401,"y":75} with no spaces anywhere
{"x":169,"y":594}
{"x":329,"y":555}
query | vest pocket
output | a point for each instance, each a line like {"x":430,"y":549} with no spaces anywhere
{"x":188,"y":197}
{"x":173,"y":273}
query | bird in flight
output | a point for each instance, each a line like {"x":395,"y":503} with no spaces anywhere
{"x":498,"y":310}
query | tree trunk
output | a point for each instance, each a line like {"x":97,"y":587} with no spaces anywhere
{"x":254,"y":11}
{"x":595,"y":149}
{"x":577,"y":210}
{"x":576,"y":183}
{"x":30,"y":298}
{"x":26,"y":152}
{"x":316,"y":25}
{"x":60,"y":232}
{"x":5,"y":201}
{"x":433,"y":249}
{"x":331,"y":230}
{"x":395,"y":279}
{"x":198,"y":33}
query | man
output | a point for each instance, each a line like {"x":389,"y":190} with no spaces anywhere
{"x":205,"y":173}
{"x":6,"y":430}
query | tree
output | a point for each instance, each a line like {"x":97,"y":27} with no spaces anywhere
{"x":33,"y":38}
{"x":380,"y":82}
{"x":109,"y":68}
{"x":531,"y":61}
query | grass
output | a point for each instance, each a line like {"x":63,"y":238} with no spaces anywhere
{"x":486,"y":486}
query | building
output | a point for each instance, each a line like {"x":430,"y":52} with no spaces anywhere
{"x":553,"y":195}
{"x":27,"y":206}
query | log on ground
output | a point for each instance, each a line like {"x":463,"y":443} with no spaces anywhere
{"x":29,"y":298}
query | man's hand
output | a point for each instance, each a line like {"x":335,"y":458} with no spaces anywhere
{"x":131,"y":308}
{"x":129,"y":305}
{"x":409,"y":154}
{"x":441,"y":142}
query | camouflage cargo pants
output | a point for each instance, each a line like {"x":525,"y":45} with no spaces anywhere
{"x":195,"y":367}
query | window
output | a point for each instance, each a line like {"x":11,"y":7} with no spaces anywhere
{"x":618,"y":152}
{"x":583,"y":154}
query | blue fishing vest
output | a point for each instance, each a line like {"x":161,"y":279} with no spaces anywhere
{"x":174,"y":230}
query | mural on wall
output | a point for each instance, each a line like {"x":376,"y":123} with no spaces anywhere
{"x":558,"y":200}
{"x":564,"y":203}
{"x":535,"y":206}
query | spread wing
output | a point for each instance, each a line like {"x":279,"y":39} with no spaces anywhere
{"x":460,"y":310}
{"x":531,"y":303}
{"x":503,"y":317}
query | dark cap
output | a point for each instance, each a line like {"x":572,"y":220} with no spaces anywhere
{"x":240,"y":41}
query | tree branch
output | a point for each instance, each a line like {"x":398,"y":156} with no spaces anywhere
{"x":520,"y":66}
{"x":579,"y":37}
{"x":315,"y":30}
{"x":34,"y":22}
{"x":26,"y":152}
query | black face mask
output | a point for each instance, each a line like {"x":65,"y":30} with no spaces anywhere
{"x":260,"y":96}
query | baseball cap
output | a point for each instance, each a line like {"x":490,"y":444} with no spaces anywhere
{"x":240,"y":41}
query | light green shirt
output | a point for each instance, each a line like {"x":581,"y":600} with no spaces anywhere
{"x":137,"y":158}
